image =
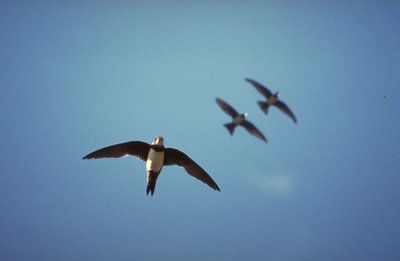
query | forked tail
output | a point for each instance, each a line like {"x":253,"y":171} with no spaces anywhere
{"x":151,"y":182}
{"x":231,"y":127}
{"x":264,"y":106}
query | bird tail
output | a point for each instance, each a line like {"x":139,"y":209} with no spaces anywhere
{"x":264,"y":106}
{"x":231,"y":127}
{"x":151,"y":182}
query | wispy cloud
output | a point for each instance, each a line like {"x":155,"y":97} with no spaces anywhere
{"x":279,"y":184}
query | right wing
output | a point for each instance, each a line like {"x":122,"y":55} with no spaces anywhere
{"x":177,"y":157}
{"x":253,"y":130}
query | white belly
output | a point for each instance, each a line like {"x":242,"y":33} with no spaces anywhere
{"x":155,"y":161}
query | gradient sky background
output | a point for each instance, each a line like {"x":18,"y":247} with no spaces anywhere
{"x":79,"y":76}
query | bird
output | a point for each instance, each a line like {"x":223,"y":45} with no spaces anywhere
{"x":272,"y":99}
{"x":156,"y":156}
{"x":239,"y":119}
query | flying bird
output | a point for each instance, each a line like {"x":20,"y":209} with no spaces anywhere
{"x":272,"y":99}
{"x":239,"y":119}
{"x":156,"y":156}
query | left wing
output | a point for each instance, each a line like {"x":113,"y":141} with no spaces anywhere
{"x":177,"y":157}
{"x":285,"y":109}
{"x":253,"y":130}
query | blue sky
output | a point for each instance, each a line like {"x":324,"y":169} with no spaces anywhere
{"x":76,"y":77}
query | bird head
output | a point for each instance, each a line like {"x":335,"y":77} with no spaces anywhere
{"x":159,"y":141}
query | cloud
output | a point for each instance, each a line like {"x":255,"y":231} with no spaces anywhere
{"x":279,"y":184}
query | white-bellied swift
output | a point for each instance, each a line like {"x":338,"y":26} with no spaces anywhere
{"x":156,"y":156}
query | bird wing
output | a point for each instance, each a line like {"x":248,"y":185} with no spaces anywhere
{"x":285,"y":109}
{"x":227,"y":108}
{"x":260,"y":88}
{"x":253,"y":130}
{"x":177,"y":157}
{"x":135,"y":148}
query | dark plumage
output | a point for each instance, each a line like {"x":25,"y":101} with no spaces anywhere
{"x":272,"y":99}
{"x":239,"y":119}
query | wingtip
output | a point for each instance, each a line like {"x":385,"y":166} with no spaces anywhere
{"x":218,"y":100}
{"x":87,"y":157}
{"x":215,"y":186}
{"x":251,"y":81}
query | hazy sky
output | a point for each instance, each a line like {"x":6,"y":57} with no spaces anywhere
{"x":79,"y":76}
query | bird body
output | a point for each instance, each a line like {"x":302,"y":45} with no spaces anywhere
{"x":272,"y":99}
{"x":156,"y":156}
{"x":240,"y":118}
{"x":154,"y":164}
{"x":155,"y":159}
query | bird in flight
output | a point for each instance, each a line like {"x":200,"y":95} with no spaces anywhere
{"x":239,"y":119}
{"x":272,"y":99}
{"x":156,"y":156}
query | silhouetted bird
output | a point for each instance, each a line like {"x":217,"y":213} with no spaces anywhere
{"x":239,"y":119}
{"x":156,"y":156}
{"x":272,"y":99}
